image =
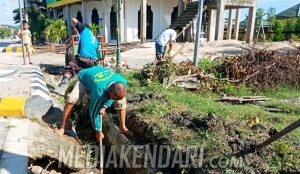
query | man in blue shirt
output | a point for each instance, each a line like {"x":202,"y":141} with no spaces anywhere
{"x":86,"y":57}
{"x":106,"y":87}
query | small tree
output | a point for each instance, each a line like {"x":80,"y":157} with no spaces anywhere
{"x":271,"y":13}
{"x":279,"y":27}
{"x":290,"y":27}
{"x":95,"y":29}
{"x":37,"y":12}
{"x":4,"y":32}
{"x":259,"y":16}
{"x":55,"y":31}
{"x":297,"y":27}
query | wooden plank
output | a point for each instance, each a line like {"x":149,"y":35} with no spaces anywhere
{"x":247,"y":99}
{"x":273,"y":109}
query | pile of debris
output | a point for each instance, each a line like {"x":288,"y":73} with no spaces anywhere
{"x":258,"y":69}
{"x":184,"y":74}
{"x":261,"y":68}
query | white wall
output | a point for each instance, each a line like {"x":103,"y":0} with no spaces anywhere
{"x":162,"y":10}
{"x":131,"y":20}
{"x":74,"y":9}
{"x":161,"y":17}
{"x":90,"y":5}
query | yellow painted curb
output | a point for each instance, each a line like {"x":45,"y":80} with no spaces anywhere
{"x":19,"y":50}
{"x":8,"y":49}
{"x":12,"y":106}
{"x":15,"y":50}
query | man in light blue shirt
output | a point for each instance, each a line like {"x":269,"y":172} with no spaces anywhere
{"x":166,"y":37}
{"x":85,"y":58}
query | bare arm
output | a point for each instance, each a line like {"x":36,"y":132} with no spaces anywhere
{"x":79,"y":27}
{"x":74,"y":21}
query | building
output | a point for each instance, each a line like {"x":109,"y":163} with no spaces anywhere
{"x":292,"y":12}
{"x":143,"y":20}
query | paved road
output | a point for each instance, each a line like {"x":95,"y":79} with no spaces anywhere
{"x":5,"y":42}
{"x":21,"y":87}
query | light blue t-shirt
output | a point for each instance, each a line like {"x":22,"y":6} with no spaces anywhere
{"x":88,"y":44}
{"x":167,"y":36}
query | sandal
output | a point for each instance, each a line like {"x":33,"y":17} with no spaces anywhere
{"x":128,"y":132}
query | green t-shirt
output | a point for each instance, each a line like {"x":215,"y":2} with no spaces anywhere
{"x":97,"y":80}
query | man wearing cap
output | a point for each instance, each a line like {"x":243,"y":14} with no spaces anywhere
{"x":106,"y":88}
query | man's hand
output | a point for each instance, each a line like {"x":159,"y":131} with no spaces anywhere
{"x":99,"y":135}
{"x":170,"y":45}
{"x":103,"y":111}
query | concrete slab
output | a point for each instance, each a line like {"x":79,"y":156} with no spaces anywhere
{"x":4,"y":122}
{"x":15,"y":81}
{"x":5,"y":79}
{"x":4,"y":73}
{"x":23,"y":81}
{"x":113,"y":136}
{"x":15,"y":150}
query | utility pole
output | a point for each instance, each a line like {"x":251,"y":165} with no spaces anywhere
{"x":25,"y":10}
{"x":199,"y":24}
{"x":118,"y":36}
{"x":23,"y":50}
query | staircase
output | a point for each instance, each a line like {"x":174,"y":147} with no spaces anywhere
{"x":187,"y":16}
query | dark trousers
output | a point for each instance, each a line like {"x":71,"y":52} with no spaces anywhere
{"x":78,"y":64}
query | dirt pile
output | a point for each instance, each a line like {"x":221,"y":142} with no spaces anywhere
{"x":261,"y":68}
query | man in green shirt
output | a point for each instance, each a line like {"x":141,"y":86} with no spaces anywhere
{"x":106,"y":87}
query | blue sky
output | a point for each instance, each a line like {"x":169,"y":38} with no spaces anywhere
{"x":279,"y":5}
{"x":6,"y":7}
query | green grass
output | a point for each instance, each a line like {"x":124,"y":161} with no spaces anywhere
{"x":181,"y":100}
{"x":205,"y":103}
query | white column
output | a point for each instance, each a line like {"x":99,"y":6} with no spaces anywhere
{"x":68,"y":18}
{"x":48,"y":13}
{"x":122,"y":9}
{"x":83,"y":11}
{"x":237,"y":24}
{"x":251,"y":24}
{"x":104,"y":19}
{"x":55,"y":13}
{"x":220,"y":19}
{"x":143,"y":21}
{"x":212,"y":25}
{"x":229,"y":27}
{"x":180,"y":6}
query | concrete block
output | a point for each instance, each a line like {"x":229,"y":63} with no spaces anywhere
{"x":40,"y":101}
{"x":37,"y":106}
{"x":12,"y":106}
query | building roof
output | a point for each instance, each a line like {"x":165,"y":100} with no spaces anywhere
{"x":244,"y":23}
{"x":58,"y":3}
{"x":290,"y":12}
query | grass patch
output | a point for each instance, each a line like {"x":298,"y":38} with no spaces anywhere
{"x":179,"y":100}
